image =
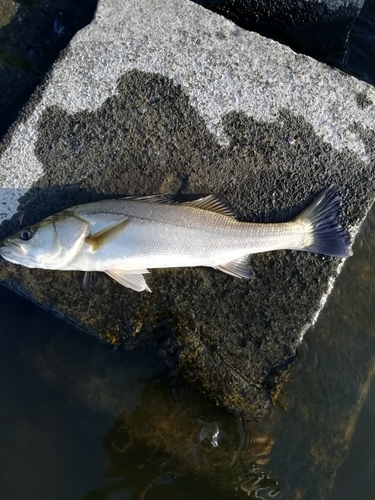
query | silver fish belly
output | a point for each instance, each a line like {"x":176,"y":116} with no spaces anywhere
{"x":126,"y":237}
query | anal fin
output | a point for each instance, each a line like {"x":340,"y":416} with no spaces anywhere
{"x":240,"y":268}
{"x":133,"y":279}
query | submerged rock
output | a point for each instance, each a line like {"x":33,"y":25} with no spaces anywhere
{"x":179,"y":100}
{"x":172,"y":441}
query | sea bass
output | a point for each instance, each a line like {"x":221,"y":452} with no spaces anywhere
{"x":128,"y":236}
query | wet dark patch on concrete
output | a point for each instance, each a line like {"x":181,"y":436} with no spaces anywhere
{"x":363,"y":100}
{"x":227,"y":335}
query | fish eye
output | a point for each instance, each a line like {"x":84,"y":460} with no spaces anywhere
{"x":26,"y":234}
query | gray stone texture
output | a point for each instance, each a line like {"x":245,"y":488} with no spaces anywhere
{"x":171,"y":98}
{"x":318,"y":28}
{"x":32,"y":34}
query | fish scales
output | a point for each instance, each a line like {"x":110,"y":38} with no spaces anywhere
{"x":126,"y":237}
{"x":187,"y":236}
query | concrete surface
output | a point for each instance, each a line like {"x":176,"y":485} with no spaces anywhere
{"x":318,"y":28}
{"x":176,"y":99}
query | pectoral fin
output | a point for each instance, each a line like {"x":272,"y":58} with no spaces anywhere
{"x":106,"y":235}
{"x":130,"y":279}
{"x":240,"y":268}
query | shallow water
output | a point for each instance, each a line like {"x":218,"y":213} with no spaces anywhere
{"x":355,"y":478}
{"x":82,"y":420}
{"x":60,"y":391}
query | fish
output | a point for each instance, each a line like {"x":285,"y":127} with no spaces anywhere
{"x":126,"y":237}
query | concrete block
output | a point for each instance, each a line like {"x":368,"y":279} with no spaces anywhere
{"x":176,"y":99}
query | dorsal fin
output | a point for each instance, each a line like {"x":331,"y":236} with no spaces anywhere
{"x":214,"y":203}
{"x":152,"y":198}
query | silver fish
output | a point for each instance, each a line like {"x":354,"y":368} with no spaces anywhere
{"x":125,"y":237}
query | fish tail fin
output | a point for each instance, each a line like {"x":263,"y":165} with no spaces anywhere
{"x":328,"y":237}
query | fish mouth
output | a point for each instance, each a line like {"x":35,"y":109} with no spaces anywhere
{"x":10,"y":250}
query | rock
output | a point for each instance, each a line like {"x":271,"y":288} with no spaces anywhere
{"x":32,"y":35}
{"x":8,"y":10}
{"x":327,"y":386}
{"x":359,"y":48}
{"x":176,"y":99}
{"x":216,"y":452}
{"x":303,"y":25}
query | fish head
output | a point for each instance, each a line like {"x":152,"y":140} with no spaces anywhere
{"x":50,"y":244}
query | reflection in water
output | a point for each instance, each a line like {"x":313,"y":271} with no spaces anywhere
{"x":211,"y":432}
{"x":192,"y":448}
{"x":259,"y":484}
